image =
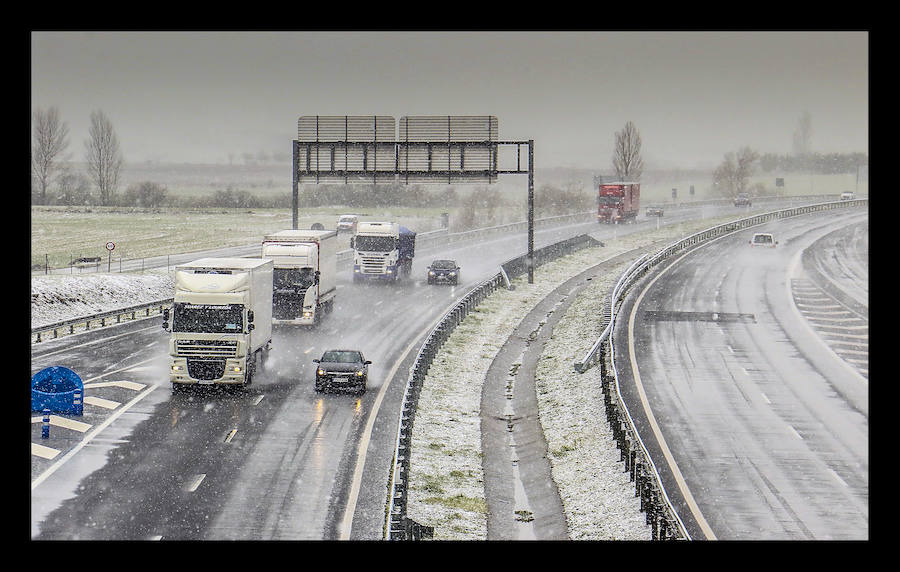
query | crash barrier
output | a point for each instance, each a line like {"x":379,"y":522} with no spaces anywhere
{"x":661,"y":516}
{"x":57,"y":389}
{"x":398,"y":526}
{"x":99,"y":320}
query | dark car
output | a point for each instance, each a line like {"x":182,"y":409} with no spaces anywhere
{"x":654,"y":211}
{"x":742,"y":199}
{"x":342,"y":368}
{"x":443,"y":271}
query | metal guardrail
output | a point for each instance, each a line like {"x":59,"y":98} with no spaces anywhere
{"x":130,"y":313}
{"x":398,"y":526}
{"x":661,"y":515}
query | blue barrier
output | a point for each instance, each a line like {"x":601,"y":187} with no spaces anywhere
{"x":58,"y":389}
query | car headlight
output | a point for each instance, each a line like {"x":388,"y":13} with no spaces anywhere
{"x":453,"y":274}
{"x":320,"y":371}
{"x":431,"y":272}
{"x":360,"y":373}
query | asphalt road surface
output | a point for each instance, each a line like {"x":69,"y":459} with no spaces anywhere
{"x":759,"y":423}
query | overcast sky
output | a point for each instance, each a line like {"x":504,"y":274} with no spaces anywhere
{"x":197,"y":97}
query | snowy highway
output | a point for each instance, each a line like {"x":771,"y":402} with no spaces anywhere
{"x":278,"y":461}
{"x":759,"y":418}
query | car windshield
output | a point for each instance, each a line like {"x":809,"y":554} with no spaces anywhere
{"x":762,"y":238}
{"x":342,"y":356}
{"x":443,"y":264}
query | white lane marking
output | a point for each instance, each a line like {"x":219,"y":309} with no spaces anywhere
{"x":230,"y":436}
{"x":100,"y":402}
{"x":42,"y":451}
{"x":196,"y":483}
{"x":258,"y":399}
{"x":794,"y":431}
{"x":124,"y":384}
{"x":839,"y":479}
{"x":765,"y":398}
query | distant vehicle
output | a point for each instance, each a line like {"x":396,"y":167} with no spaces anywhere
{"x":847,"y":196}
{"x":342,"y":368}
{"x":443,"y":271}
{"x":654,"y":211}
{"x":618,"y":202}
{"x":382,"y":251}
{"x":764,"y":239}
{"x":742,"y":199}
{"x":347,"y":223}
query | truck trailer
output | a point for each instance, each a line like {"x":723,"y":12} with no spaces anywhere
{"x":221,"y":321}
{"x":618,"y":202}
{"x":304,"y":276}
{"x":382,"y":251}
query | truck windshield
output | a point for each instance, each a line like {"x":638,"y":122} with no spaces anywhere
{"x":207,"y":318}
{"x":375,"y":243}
{"x":293,"y":278}
{"x":610,"y":201}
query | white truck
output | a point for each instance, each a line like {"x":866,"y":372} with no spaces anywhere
{"x":304,"y":278}
{"x":221,"y":321}
{"x":382,"y":251}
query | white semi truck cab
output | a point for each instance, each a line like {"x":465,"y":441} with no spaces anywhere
{"x":221,"y":321}
{"x":382,"y":251}
{"x":304,"y":275}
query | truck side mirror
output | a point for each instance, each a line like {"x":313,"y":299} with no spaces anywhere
{"x":165,"y":324}
{"x":352,"y":241}
{"x":317,"y":277}
{"x":249,"y":316}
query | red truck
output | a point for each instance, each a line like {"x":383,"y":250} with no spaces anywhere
{"x":618,"y":202}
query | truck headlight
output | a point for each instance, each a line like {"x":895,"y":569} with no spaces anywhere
{"x":236,"y":369}
{"x":431,"y":272}
{"x":177,"y":367}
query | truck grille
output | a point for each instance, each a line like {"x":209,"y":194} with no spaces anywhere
{"x":372,"y":265}
{"x":206,"y":348}
{"x":206,"y":369}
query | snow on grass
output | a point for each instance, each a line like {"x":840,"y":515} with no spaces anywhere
{"x":56,"y":298}
{"x":445,"y":460}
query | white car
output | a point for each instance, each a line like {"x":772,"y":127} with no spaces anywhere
{"x":763,"y":239}
{"x":847,"y":196}
{"x":347,"y":223}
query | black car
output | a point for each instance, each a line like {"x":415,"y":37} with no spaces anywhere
{"x":654,"y":211}
{"x":443,"y":271}
{"x":342,"y":368}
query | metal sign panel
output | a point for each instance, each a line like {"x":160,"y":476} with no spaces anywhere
{"x":345,"y":149}
{"x":447,"y":148}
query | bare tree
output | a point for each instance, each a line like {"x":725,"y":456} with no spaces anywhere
{"x":50,"y":141}
{"x":803,"y":135}
{"x":104,"y":159}
{"x":733,"y":174}
{"x":627,"y":159}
